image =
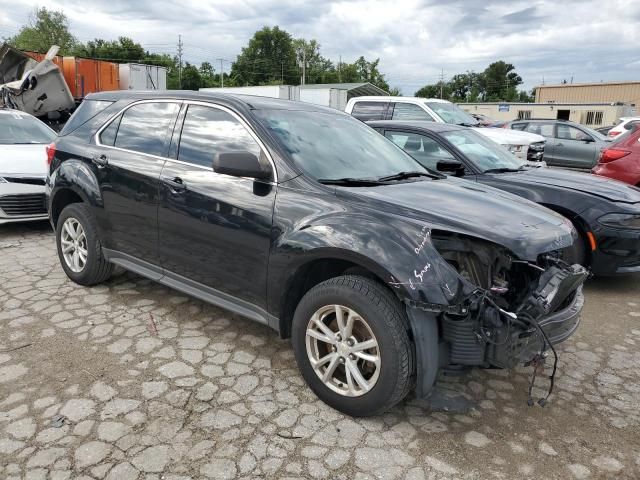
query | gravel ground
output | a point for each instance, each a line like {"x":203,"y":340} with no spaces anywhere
{"x":132,"y":380}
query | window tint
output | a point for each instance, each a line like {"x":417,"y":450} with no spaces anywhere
{"x":144,"y":127}
{"x":208,"y":131}
{"x":544,"y":129}
{"x":366,"y":111}
{"x":424,"y":149}
{"x":567,"y":132}
{"x":85,"y":112}
{"x":108,"y":135}
{"x":408,"y":111}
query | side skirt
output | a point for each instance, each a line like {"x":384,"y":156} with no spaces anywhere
{"x":194,"y":289}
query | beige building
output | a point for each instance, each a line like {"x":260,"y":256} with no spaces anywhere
{"x":591,"y":114}
{"x":605,"y":92}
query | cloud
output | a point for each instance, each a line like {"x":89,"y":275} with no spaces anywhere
{"x":416,"y":40}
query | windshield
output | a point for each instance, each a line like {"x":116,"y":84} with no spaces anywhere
{"x":485,"y":154}
{"x":451,"y":113}
{"x":19,"y":129}
{"x":335,"y":146}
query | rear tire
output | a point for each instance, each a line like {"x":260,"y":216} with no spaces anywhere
{"x":79,"y":248}
{"x":355,"y":380}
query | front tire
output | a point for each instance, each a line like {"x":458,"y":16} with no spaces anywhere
{"x":351,"y":342}
{"x":79,"y":248}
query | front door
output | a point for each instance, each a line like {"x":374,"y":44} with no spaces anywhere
{"x":127,"y":159}
{"x":573,"y":147}
{"x":215,"y":229}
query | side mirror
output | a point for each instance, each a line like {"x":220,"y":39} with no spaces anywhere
{"x":588,"y":140}
{"x":240,"y":164}
{"x":451,"y":166}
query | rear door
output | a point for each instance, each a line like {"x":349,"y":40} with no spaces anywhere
{"x":215,"y":229}
{"x":574,"y":147}
{"x":408,"y":111}
{"x":128,"y":158}
{"x":367,"y":111}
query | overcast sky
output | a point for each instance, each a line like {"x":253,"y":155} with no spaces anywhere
{"x":589,"y":40}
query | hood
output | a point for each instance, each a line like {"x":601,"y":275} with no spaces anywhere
{"x":505,"y":136}
{"x":457,"y":205}
{"x":588,"y":183}
{"x":23,"y":160}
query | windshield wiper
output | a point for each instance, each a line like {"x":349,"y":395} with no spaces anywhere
{"x":504,"y":170}
{"x":403,"y":175}
{"x":360,"y":182}
{"x":464,"y":124}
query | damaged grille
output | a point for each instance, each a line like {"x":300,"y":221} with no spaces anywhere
{"x":23,"y":205}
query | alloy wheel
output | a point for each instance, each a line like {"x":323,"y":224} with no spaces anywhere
{"x":73,"y":243}
{"x":343,"y":350}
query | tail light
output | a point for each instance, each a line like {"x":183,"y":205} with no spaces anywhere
{"x":612,"y":154}
{"x":51,"y":152}
{"x":613,"y":133}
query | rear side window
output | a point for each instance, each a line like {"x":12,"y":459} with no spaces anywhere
{"x":144,"y":128}
{"x":544,"y":129}
{"x":85,"y":112}
{"x":366,"y":111}
{"x":518,"y":126}
{"x":425,"y":150}
{"x":408,"y":111}
{"x":208,"y":131}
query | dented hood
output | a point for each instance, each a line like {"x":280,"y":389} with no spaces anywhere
{"x":523,"y":227}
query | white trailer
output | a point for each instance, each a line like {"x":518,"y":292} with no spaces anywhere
{"x":137,"y":76}
{"x":327,"y":97}
{"x":283,"y":92}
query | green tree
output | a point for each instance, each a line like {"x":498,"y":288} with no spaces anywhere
{"x":122,"y":50}
{"x":208,"y":76}
{"x":191,"y":79}
{"x":44,"y":29}
{"x":270,"y":56}
{"x":434,"y":91}
{"x":500,"y":82}
{"x":369,"y":72}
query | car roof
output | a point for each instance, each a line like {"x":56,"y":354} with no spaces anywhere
{"x":251,"y":101}
{"x":416,"y":125}
{"x":382,"y":98}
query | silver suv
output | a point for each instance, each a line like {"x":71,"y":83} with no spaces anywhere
{"x":569,"y":144}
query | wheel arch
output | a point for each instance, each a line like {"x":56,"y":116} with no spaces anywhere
{"x":317,"y":269}
{"x":579,"y":223}
{"x":63,"y":197}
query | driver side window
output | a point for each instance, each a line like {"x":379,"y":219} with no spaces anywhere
{"x":424,"y":149}
{"x":567,"y":132}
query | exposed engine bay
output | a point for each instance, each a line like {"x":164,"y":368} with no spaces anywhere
{"x":515,"y":310}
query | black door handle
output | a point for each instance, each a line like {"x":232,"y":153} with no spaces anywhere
{"x":176,"y":185}
{"x":100,"y":160}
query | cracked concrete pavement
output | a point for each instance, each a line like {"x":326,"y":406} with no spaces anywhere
{"x":132,"y":380}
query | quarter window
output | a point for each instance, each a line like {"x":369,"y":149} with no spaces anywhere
{"x":144,"y":128}
{"x":209,"y":131}
{"x":108,"y":135}
{"x":408,"y":111}
{"x":544,"y":129}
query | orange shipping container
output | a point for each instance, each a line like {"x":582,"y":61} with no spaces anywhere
{"x":85,"y":75}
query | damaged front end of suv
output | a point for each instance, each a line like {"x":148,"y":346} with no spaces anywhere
{"x":492,"y":308}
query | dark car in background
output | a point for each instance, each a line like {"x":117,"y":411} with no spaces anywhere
{"x":305,"y":219}
{"x":569,"y":144}
{"x":605,"y":213}
{"x":621,"y":159}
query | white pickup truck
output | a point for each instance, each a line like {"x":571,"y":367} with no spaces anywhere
{"x":524,"y":145}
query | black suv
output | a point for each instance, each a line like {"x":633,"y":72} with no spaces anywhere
{"x":305,"y":219}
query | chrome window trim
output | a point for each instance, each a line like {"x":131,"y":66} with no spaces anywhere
{"x":179,"y":102}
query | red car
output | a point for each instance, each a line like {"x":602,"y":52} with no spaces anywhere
{"x":621,"y":159}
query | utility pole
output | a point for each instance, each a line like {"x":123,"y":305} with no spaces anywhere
{"x":282,"y":72}
{"x":340,"y":70}
{"x":221,"y":74}
{"x":180,"y":61}
{"x":441,"y":83}
{"x":304,"y":64}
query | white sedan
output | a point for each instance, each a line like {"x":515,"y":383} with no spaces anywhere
{"x":23,"y":166}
